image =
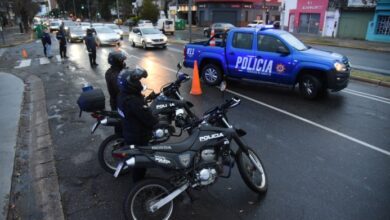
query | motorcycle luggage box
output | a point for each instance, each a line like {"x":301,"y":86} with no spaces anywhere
{"x":91,"y":100}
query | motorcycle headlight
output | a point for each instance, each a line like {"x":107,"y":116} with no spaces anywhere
{"x":340,"y":67}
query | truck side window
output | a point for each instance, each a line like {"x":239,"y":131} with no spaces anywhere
{"x":269,"y":43}
{"x":243,"y":40}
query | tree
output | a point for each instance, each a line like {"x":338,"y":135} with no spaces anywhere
{"x":26,"y":10}
{"x":126,"y":8}
{"x":149,"y":11}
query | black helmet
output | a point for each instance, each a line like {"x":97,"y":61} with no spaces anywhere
{"x":129,"y":80}
{"x":89,"y":31}
{"x":117,"y":59}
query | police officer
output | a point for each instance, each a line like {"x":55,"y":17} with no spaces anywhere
{"x":117,"y":61}
{"x":137,"y":119}
{"x":90,"y":42}
{"x":61,"y":37}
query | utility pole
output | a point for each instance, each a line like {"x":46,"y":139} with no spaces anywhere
{"x":89,"y":12}
{"x":74,"y":9}
{"x":117,"y":9}
{"x":264,"y":16}
{"x":190,"y":18}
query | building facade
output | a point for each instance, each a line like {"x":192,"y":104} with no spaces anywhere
{"x":379,"y":27}
{"x":308,"y":17}
{"x":238,"y":13}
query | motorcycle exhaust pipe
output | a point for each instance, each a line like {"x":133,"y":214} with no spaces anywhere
{"x":140,"y":161}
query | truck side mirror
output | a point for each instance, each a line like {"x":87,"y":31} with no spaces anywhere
{"x":283,"y":50}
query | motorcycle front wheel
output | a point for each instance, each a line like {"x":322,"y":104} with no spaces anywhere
{"x":145,"y":193}
{"x":106,"y":160}
{"x":252,"y":171}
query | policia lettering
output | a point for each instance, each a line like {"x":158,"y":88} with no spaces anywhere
{"x":253,"y":65}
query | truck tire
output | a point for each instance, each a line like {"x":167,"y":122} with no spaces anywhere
{"x":310,"y":86}
{"x":211,"y":74}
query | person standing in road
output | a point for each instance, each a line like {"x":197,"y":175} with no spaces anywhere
{"x":46,"y":40}
{"x":90,"y":42}
{"x":39,"y":30}
{"x":61,"y":37}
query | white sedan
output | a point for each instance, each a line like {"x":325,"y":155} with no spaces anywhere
{"x":115,"y":28}
{"x":106,"y":36}
{"x":147,"y":37}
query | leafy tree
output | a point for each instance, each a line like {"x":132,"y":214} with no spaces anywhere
{"x":149,"y":11}
{"x":26,"y":9}
{"x":126,"y":8}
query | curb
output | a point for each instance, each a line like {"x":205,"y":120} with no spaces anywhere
{"x":346,"y":46}
{"x":372,"y":81}
{"x":19,"y":43}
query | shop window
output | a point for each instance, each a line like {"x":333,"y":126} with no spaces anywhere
{"x":383,"y":25}
{"x":243,"y":40}
{"x":269,"y":44}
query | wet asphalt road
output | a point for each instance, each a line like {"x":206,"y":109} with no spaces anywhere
{"x":326,"y":159}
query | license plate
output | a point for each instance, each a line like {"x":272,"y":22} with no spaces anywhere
{"x":118,"y":169}
{"x":94,"y":127}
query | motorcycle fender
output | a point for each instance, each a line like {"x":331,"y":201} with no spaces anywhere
{"x":240,"y":132}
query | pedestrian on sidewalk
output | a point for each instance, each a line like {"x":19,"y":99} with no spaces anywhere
{"x":47,"y":43}
{"x":91,"y":44}
{"x":39,"y":30}
{"x":61,"y":37}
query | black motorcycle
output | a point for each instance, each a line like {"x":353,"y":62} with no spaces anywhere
{"x":168,"y":105}
{"x":196,"y":162}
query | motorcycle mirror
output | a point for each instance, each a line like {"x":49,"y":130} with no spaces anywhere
{"x":222,"y":86}
{"x":179,"y":65}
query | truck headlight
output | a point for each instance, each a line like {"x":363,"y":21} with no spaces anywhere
{"x":340,"y":67}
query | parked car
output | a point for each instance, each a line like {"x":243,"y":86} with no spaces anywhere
{"x":219,"y":29}
{"x":145,"y":23}
{"x":254,"y":23}
{"x":106,"y":36}
{"x":54,"y":26}
{"x":76,"y":34}
{"x":85,"y":25}
{"x":129,"y":22}
{"x":147,"y":37}
{"x":115,"y":28}
{"x":166,"y":25}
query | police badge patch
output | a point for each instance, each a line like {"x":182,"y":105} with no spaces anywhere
{"x":280,"y":68}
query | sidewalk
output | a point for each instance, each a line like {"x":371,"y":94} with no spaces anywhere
{"x":13,"y":37}
{"x":340,"y":42}
{"x":11,"y":96}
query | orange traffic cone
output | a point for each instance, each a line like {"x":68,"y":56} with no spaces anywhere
{"x":196,"y":90}
{"x":24,"y":54}
{"x":212,"y":41}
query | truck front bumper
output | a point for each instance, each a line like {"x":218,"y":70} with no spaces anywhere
{"x":337,"y":81}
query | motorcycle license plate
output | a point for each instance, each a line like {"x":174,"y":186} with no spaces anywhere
{"x":94,"y":127}
{"x":118,"y":169}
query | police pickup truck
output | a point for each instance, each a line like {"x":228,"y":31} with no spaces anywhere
{"x":272,"y":56}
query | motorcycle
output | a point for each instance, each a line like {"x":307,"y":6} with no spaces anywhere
{"x":168,"y":105}
{"x":196,"y":162}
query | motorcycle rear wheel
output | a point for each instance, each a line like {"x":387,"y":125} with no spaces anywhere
{"x":106,"y":160}
{"x":144,"y":193}
{"x":252,"y":171}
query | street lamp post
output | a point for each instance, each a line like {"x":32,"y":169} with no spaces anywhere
{"x":190,"y":19}
{"x":89,"y":12}
{"x":117,"y":9}
{"x":74,"y":9}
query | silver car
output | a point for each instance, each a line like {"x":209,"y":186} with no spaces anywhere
{"x":147,"y":37}
{"x":115,"y":28}
{"x":55,"y":26}
{"x":106,"y":36}
{"x":76,"y":34}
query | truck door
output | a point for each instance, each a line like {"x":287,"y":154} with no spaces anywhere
{"x":239,"y":54}
{"x":273,"y":59}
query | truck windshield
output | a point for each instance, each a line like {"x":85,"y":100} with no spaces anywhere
{"x":293,"y":41}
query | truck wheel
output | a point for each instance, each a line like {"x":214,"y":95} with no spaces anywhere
{"x":211,"y":74}
{"x":144,"y":45}
{"x":310,"y":86}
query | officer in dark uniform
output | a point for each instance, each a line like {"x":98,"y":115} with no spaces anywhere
{"x":90,"y":42}
{"x":61,"y":37}
{"x":117,"y":61}
{"x":137,"y":118}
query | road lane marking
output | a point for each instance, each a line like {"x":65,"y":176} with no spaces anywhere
{"x":2,"y":50}
{"x":24,"y":63}
{"x":58,"y":57}
{"x":365,"y":144}
{"x":313,"y":123}
{"x":43,"y":61}
{"x":367,"y":97}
